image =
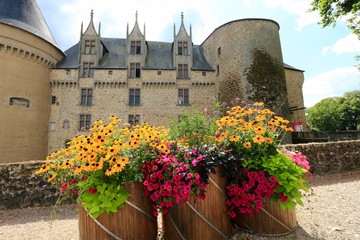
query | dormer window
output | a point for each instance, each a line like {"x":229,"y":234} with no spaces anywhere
{"x":135,"y":47}
{"x":182,"y":48}
{"x":89,"y":46}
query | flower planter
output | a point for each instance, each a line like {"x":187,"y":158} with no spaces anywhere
{"x":201,"y":219}
{"x":270,"y":220}
{"x":133,"y":222}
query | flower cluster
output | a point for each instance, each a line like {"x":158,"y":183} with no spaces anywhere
{"x":298,"y":158}
{"x":246,"y":194}
{"x":171,"y":179}
{"x":251,"y":130}
{"x":94,"y":167}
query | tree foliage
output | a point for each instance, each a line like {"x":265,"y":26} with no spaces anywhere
{"x":336,"y":113}
{"x":333,"y":10}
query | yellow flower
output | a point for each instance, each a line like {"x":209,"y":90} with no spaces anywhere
{"x":44,"y":168}
{"x":258,"y":139}
{"x":234,"y":138}
{"x":259,"y":130}
{"x":268,"y":140}
{"x":247,"y":145}
{"x":51,"y":177}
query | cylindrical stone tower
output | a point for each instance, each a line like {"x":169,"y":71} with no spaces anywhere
{"x":249,"y":64}
{"x":27,"y":52}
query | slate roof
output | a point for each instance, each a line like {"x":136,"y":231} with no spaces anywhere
{"x":159,"y":56}
{"x":26,"y":14}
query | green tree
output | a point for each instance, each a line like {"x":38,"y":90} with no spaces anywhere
{"x":333,"y":10}
{"x":336,"y":113}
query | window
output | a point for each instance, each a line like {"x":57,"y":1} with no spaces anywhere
{"x":86,"y":96}
{"x":19,"y":102}
{"x":134,"y":97}
{"x":183,"y":96}
{"x":89,"y":46}
{"x":134,"y":70}
{"x":158,"y":72}
{"x":68,"y":71}
{"x":88,"y":69}
{"x":52,"y":126}
{"x":134,"y":119}
{"x":183,"y":71}
{"x":110,"y":72}
{"x":135,"y":47}
{"x":182,"y":48}
{"x":53,"y":100}
{"x":218,"y":70}
{"x":66,"y":124}
{"x":219,"y":50}
{"x":85,"y":121}
{"x":204,"y":73}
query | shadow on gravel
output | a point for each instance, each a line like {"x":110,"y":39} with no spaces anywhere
{"x":36,"y":214}
{"x":336,"y":178}
{"x":298,"y":234}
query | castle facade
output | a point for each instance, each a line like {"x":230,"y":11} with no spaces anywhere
{"x":136,"y":80}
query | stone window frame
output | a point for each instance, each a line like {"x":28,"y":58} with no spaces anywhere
{"x":52,"y":126}
{"x":66,"y":124}
{"x":183,"y":48}
{"x":19,"y":101}
{"x":53,"y":100}
{"x":86,"y":98}
{"x":135,"y":70}
{"x":183,"y":71}
{"x":90,"y":47}
{"x":183,"y":97}
{"x":84,"y":122}
{"x":134,"y":97}
{"x":88,"y":69}
{"x":134,"y":119}
{"x":135,"y":47}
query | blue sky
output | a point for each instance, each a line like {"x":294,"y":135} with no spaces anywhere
{"x":325,"y":54}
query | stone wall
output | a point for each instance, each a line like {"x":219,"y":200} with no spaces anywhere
{"x":20,"y":187}
{"x":331,"y":157}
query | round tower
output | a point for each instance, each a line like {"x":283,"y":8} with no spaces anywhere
{"x":248,"y":59}
{"x":27,"y":52}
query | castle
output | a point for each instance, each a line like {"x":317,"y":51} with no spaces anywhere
{"x":48,"y":96}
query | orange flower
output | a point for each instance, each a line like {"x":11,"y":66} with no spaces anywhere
{"x":258,"y":139}
{"x":234,"y":138}
{"x":268,"y":140}
{"x":51,"y":177}
{"x":247,"y":145}
{"x":259,"y":130}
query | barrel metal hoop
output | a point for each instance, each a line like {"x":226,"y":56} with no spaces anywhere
{"x":207,"y":221}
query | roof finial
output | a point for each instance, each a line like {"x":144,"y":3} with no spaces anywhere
{"x":136,"y":15}
{"x":92,"y":14}
{"x":182,"y":17}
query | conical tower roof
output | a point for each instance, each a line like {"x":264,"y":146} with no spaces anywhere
{"x":26,"y":14}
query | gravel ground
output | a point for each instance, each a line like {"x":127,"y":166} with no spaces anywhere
{"x":331,"y":211}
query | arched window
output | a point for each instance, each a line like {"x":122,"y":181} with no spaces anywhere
{"x":66,"y":124}
{"x":18,"y":101}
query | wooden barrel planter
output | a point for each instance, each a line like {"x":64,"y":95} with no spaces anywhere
{"x":271,"y":220}
{"x":133,"y":222}
{"x":201,"y":219}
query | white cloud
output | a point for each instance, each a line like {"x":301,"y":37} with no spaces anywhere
{"x":348,"y":44}
{"x":296,"y":7}
{"x":330,"y":84}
